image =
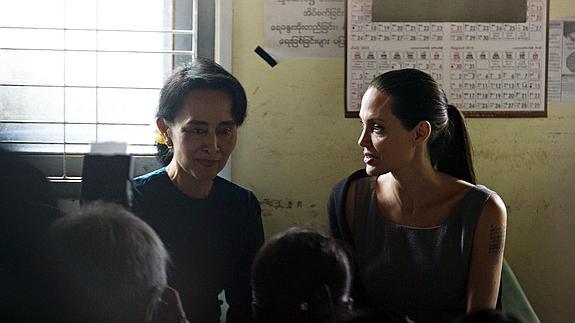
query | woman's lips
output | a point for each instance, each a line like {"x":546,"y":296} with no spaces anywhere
{"x":207,"y":162}
{"x":368,"y":159}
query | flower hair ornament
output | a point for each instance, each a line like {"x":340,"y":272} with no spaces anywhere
{"x":161,"y":139}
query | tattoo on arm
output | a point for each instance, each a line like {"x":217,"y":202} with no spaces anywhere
{"x":496,"y":239}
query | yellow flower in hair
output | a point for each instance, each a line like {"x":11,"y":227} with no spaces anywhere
{"x":160,"y":138}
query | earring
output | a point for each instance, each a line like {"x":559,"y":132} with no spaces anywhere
{"x":168,"y":141}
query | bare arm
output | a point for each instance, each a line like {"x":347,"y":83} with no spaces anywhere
{"x":487,"y":256}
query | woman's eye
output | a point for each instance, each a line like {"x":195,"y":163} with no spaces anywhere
{"x":377,"y":129}
{"x":228,"y":131}
{"x":195,"y":131}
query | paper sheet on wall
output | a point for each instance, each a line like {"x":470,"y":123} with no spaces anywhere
{"x":485,"y":68}
{"x":561,"y":69}
{"x":305,"y":28}
{"x":449,"y":10}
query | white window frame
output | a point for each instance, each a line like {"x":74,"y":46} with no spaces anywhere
{"x":214,"y":28}
{"x":223,"y":50}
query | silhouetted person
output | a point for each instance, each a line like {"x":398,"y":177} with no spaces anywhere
{"x":28,"y":206}
{"x":300,"y":276}
{"x":111,"y":267}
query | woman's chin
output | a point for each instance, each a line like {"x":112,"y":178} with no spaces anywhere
{"x":207,"y":175}
{"x":210,"y":173}
{"x":372,"y":170}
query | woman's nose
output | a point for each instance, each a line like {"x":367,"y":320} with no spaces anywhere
{"x":363,"y":140}
{"x":211,"y":145}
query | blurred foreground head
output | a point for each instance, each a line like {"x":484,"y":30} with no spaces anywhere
{"x":300,"y":276}
{"x":110,"y":265}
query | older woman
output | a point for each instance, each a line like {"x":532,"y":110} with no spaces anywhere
{"x":211,"y":227}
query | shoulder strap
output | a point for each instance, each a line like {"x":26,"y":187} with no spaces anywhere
{"x":336,"y":208}
{"x":363,"y":191}
{"x":473,"y":204}
{"x":364,"y":188}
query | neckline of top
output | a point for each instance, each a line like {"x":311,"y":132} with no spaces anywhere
{"x":454,"y":212}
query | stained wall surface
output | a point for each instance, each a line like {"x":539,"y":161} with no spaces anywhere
{"x":295,"y":145}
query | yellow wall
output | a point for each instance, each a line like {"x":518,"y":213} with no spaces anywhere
{"x":296,"y":145}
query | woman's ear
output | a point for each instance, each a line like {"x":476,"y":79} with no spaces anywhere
{"x":152,"y":305}
{"x":163,"y":128}
{"x":169,"y":308}
{"x":161,"y":124}
{"x":422,"y":131}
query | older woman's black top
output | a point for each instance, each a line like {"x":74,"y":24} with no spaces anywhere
{"x":211,"y":241}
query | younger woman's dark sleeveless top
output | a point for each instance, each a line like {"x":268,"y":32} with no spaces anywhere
{"x":418,"y":272}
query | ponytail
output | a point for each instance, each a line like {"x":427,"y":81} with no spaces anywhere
{"x":456,"y":158}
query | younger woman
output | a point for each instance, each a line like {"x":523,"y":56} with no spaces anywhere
{"x":427,"y":241}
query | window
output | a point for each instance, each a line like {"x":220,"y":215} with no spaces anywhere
{"x":74,"y":72}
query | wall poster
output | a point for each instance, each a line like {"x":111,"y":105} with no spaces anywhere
{"x":297,"y":29}
{"x":487,"y":69}
{"x":561,"y":61}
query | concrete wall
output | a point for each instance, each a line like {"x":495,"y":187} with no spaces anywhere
{"x":296,"y":145}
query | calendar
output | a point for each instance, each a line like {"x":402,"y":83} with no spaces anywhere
{"x":486,"y":69}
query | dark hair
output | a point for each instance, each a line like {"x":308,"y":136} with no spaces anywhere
{"x":487,"y":316}
{"x":300,"y":276}
{"x":199,"y":74}
{"x":418,"y":97}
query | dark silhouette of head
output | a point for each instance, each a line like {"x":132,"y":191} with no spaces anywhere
{"x":300,"y":276}
{"x":110,"y":265}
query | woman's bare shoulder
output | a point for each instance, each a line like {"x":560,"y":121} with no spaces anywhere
{"x":494,"y":212}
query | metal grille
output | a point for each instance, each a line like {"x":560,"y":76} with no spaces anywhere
{"x":74,"y":72}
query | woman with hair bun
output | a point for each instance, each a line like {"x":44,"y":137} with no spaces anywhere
{"x":211,"y":226}
{"x":427,"y":241}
